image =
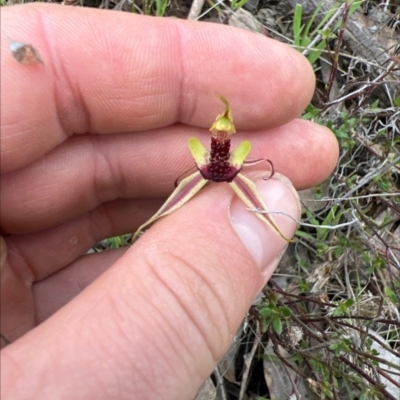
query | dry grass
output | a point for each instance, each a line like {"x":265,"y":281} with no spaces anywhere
{"x":328,"y":323}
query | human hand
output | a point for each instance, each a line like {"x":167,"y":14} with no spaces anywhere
{"x":91,"y":144}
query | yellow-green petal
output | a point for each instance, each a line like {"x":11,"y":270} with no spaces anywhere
{"x":199,"y":152}
{"x":240,"y":154}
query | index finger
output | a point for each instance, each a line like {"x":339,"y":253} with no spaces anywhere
{"x":110,"y":72}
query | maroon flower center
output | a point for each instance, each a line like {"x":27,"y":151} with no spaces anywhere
{"x":219,"y":169}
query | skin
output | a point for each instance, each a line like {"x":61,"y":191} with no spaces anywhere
{"x":91,"y":144}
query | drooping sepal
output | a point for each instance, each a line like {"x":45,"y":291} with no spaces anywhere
{"x":248,"y":193}
{"x":181,"y":195}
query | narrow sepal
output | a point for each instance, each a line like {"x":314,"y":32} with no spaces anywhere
{"x":182,"y":194}
{"x":248,"y":193}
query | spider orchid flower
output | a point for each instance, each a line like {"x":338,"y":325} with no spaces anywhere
{"x":218,"y":165}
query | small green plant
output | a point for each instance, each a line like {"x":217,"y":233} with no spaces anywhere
{"x":391,"y":295}
{"x":155,"y":7}
{"x":117,"y":241}
{"x":343,"y":308}
{"x":304,"y":35}
{"x":341,"y":346}
{"x":272,"y":314}
{"x":343,"y":130}
{"x":161,"y":7}
{"x":236,"y":4}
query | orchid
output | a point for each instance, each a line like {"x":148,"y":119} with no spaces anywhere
{"x":218,"y":165}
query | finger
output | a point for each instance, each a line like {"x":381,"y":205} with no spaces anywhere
{"x":167,"y":309}
{"x":26,"y":302}
{"x":88,"y":171}
{"x":38,"y":255}
{"x":16,"y":300}
{"x":32,"y":258}
{"x":57,"y":290}
{"x":140,"y":73}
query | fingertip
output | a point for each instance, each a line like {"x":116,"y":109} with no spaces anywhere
{"x":304,"y":151}
{"x":320,"y":156}
{"x":260,"y":240}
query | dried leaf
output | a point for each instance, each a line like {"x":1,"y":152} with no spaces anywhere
{"x":24,"y":53}
{"x":207,"y":391}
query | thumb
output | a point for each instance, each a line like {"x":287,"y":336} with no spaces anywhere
{"x":155,"y":324}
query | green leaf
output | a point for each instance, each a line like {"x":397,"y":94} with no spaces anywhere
{"x":305,"y":235}
{"x":349,"y":302}
{"x":389,"y":293}
{"x":285,"y":312}
{"x":265,"y":312}
{"x":238,"y":4}
{"x":298,"y":10}
{"x":277,"y":325}
{"x":338,"y":312}
{"x":315,"y":54}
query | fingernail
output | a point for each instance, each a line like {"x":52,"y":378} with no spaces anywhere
{"x":263,"y":244}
